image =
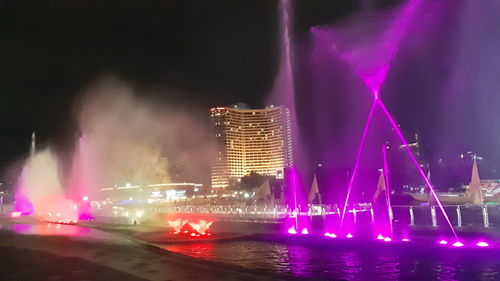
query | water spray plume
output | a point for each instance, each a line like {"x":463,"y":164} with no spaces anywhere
{"x":292,"y":230}
{"x":177,"y":224}
{"x":305,"y":231}
{"x":201,"y":226}
{"x":443,"y":242}
{"x":458,"y":244}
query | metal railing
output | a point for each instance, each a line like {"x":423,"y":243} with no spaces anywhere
{"x":260,"y":211}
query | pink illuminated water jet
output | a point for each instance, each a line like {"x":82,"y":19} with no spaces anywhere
{"x":292,"y":230}
{"x":458,"y":244}
{"x":371,"y":62}
{"x":443,"y":242}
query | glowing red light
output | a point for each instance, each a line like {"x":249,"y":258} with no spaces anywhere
{"x":202,"y":226}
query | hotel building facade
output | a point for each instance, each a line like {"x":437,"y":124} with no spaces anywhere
{"x":250,"y":140}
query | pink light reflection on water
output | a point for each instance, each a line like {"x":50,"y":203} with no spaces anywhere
{"x":50,"y":229}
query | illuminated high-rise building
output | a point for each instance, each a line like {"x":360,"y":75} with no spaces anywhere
{"x":250,"y":140}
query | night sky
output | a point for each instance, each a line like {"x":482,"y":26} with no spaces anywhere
{"x":207,"y":53}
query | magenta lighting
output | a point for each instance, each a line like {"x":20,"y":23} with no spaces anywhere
{"x":292,"y":230}
{"x":380,"y":237}
{"x":331,"y":235}
{"x":458,"y":244}
{"x":349,"y":235}
{"x":305,"y":231}
{"x":443,"y":242}
{"x":405,"y":240}
{"x":482,"y":244}
{"x":387,"y":239}
{"x":358,"y":160}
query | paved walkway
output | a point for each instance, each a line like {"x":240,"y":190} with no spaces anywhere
{"x":46,"y":251}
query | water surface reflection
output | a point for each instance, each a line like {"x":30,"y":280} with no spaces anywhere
{"x":327,"y":262}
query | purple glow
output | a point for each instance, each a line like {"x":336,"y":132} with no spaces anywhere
{"x":380,"y":237}
{"x":331,"y":235}
{"x":443,"y":242}
{"x":292,"y":230}
{"x":358,"y":160}
{"x":387,"y":239}
{"x":387,"y":189}
{"x":415,"y":162}
{"x":349,"y":235}
{"x":458,"y":244}
{"x":305,"y":231}
{"x":482,"y":244}
{"x":405,"y":240}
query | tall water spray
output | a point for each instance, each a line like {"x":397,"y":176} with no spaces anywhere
{"x":283,"y":93}
{"x":371,"y":62}
{"x":41,"y":185}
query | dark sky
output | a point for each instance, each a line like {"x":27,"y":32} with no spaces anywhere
{"x":219,"y":52}
{"x":213,"y":52}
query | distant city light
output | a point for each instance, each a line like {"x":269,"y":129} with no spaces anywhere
{"x":246,"y":195}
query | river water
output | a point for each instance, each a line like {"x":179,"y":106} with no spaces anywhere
{"x":330,"y":262}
